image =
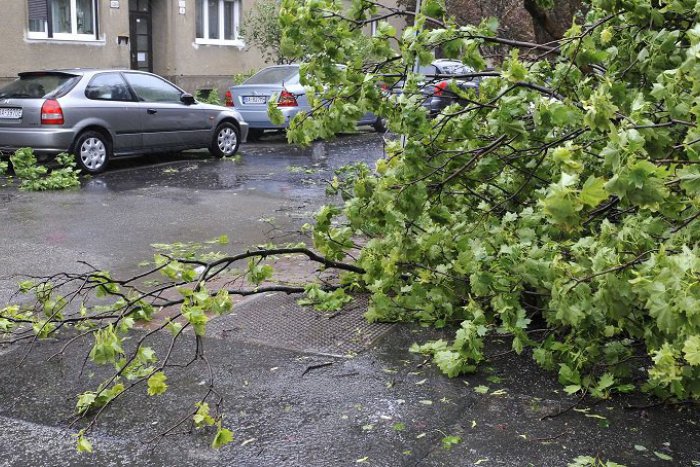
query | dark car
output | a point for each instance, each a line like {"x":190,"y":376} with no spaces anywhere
{"x":446,"y":82}
{"x":440,"y":83}
{"x":100,"y":114}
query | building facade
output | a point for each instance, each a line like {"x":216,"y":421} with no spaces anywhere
{"x":194,"y":43}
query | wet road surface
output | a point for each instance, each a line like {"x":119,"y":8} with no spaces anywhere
{"x":263,"y":196}
{"x":286,"y":405}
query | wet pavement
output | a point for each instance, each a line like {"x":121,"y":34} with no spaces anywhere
{"x":263,"y":196}
{"x":288,"y":405}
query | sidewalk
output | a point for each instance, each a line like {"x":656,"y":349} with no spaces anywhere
{"x":301,"y":389}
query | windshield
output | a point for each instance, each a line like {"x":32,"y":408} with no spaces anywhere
{"x":274,"y":75}
{"x":39,"y":86}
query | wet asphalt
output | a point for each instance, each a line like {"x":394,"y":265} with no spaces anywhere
{"x":381,"y":406}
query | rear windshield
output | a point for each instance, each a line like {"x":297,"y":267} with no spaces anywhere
{"x":456,"y":69}
{"x":274,"y":75}
{"x":37,"y":86}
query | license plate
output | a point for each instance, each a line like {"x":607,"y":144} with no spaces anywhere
{"x":254,"y":100}
{"x":10,"y":113}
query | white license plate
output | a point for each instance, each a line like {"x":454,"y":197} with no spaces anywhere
{"x":254,"y":100}
{"x":7,"y":112}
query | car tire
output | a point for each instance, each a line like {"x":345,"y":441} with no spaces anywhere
{"x":92,"y":152}
{"x":379,"y":125}
{"x":226,"y":140}
{"x":254,"y":134}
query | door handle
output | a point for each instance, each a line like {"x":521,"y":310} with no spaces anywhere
{"x":151,"y":111}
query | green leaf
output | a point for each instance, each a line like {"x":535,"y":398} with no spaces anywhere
{"x":448,"y":442}
{"x":691,"y":350}
{"x":202,"y":418}
{"x":593,"y":191}
{"x":451,"y":363}
{"x":662,"y":456}
{"x":83,"y":444}
{"x":156,"y":384}
{"x":222,"y":438}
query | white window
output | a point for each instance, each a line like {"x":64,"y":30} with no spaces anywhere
{"x":218,"y":22}
{"x":62,"y":19}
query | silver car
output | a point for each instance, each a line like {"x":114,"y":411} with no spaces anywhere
{"x":250,"y":99}
{"x":100,"y":114}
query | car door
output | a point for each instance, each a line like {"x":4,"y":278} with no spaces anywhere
{"x":111,"y":103}
{"x":168,"y":123}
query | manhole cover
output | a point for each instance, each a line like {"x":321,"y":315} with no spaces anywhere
{"x":277,"y":321}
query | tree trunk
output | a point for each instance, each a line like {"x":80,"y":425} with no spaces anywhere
{"x":550,"y":24}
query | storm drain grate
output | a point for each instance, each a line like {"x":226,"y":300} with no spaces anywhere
{"x":277,"y":321}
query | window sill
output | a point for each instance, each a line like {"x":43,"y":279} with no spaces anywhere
{"x":65,"y":39}
{"x":231,"y":43}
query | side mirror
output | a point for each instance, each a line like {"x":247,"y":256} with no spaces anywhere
{"x":187,"y":99}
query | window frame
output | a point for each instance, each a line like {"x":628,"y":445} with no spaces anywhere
{"x":48,"y":34}
{"x":202,"y":14}
{"x":130,"y":93}
{"x":140,"y":98}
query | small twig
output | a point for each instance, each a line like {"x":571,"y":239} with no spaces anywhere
{"x":550,"y":438}
{"x":315,"y":367}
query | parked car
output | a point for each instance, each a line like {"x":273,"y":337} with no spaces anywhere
{"x":100,"y":114}
{"x":436,"y":83}
{"x":251,"y":97}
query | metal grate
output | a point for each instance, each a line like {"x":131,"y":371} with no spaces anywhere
{"x":277,"y":321}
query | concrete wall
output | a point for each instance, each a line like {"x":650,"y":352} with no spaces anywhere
{"x":175,"y":53}
{"x":18,"y":53}
{"x":194,"y":66}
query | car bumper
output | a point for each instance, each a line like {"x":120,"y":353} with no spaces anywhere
{"x":44,"y":141}
{"x":260,"y":120}
{"x":243,"y":126}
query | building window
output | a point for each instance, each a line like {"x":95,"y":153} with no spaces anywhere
{"x":218,"y":22}
{"x":62,"y":19}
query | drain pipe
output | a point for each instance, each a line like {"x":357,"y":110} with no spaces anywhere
{"x":416,"y":66}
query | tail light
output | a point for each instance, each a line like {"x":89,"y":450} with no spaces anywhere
{"x":51,"y":113}
{"x":287,"y":99}
{"x":440,"y":88}
{"x":228,"y":99}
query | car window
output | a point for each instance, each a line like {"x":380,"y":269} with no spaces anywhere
{"x":273,"y":75}
{"x":37,"y":86}
{"x":455,"y":69}
{"x":428,"y":70}
{"x":108,"y":87}
{"x":149,"y":88}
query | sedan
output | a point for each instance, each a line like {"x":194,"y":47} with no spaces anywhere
{"x":251,"y":97}
{"x":100,"y":114}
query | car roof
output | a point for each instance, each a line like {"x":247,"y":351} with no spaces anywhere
{"x":79,"y":71}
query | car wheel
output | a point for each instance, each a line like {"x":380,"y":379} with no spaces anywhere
{"x":92,"y":152}
{"x":226,"y":140}
{"x":379,"y":125}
